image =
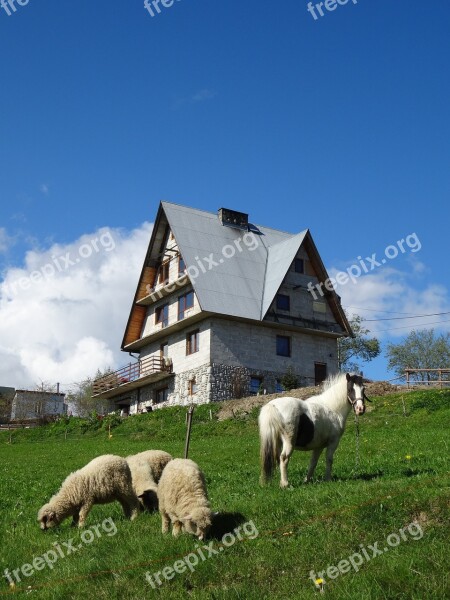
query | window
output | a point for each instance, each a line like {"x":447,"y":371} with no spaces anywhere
{"x":283,"y":302}
{"x":164,"y":272}
{"x":255,"y":384}
{"x":193,"y":387}
{"x":184,"y":303}
{"x":181,"y":265}
{"x":192,"y":342}
{"x":299,"y":265}
{"x":164,"y":350}
{"x":161,"y":395}
{"x":279,"y":387}
{"x":162,"y":315}
{"x":283,"y":345}
{"x":320,"y":307}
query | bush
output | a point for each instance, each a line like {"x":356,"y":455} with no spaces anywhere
{"x":289,"y":380}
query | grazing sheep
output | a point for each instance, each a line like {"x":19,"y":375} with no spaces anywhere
{"x":183,"y":499}
{"x":146,"y":469}
{"x":104,"y":479}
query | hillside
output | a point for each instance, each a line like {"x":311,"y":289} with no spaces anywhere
{"x":401,"y":479}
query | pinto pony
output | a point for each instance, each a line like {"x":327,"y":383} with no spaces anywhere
{"x":287,"y":423}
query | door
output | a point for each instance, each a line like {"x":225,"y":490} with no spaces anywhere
{"x":320,"y":372}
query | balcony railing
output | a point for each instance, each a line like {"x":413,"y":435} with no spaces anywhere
{"x":151,"y":365}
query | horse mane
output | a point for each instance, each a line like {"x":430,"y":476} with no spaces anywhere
{"x":334,"y":392}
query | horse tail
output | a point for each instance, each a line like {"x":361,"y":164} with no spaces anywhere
{"x":270,"y":430}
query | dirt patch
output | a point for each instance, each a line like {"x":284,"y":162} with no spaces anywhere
{"x":232,"y":409}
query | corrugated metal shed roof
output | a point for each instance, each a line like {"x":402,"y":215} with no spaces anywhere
{"x":248,"y":268}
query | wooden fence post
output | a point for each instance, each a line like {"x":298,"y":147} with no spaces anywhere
{"x":188,"y":432}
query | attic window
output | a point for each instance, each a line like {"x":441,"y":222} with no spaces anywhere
{"x":283,"y":302}
{"x":181,"y":265}
{"x":164,"y":272}
{"x":299,"y":265}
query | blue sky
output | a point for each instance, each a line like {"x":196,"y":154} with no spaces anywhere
{"x":339,"y":124}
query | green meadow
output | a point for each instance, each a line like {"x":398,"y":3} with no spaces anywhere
{"x":399,"y":476}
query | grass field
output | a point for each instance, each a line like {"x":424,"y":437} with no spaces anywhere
{"x":402,"y":476}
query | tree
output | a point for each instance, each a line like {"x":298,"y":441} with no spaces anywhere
{"x":80,"y":399}
{"x":359,"y":348}
{"x":289,"y":380}
{"x":420,"y":350}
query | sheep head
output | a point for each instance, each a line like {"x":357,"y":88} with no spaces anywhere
{"x":47,"y":517}
{"x":198,"y":523}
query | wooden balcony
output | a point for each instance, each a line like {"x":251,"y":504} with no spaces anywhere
{"x":134,"y":375}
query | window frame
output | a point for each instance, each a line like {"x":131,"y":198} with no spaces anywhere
{"x":195,"y":334}
{"x":164,"y":269}
{"x":284,"y":337}
{"x":193,"y":387}
{"x":165,"y":391}
{"x":161,"y":350}
{"x":159,"y":310}
{"x":181,"y":312}
{"x":180,"y":270}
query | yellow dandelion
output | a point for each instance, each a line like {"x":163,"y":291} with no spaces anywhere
{"x":319,"y":582}
{"x":408,"y":457}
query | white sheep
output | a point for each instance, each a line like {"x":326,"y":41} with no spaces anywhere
{"x":105,"y":479}
{"x":146,"y":469}
{"x":183,"y":499}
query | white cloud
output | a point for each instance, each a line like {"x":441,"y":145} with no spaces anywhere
{"x":62,"y":316}
{"x":44,"y":188}
{"x":390,"y":293}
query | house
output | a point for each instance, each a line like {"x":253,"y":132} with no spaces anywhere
{"x":6,"y":398}
{"x":29,"y":404}
{"x":222,"y":308}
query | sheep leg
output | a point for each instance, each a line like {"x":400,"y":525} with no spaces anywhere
{"x":84,"y":511}
{"x":165,"y":522}
{"x":130,"y":506}
{"x":177,"y":528}
{"x":75,"y":519}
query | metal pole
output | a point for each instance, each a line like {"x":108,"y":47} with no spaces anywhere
{"x":188,"y":432}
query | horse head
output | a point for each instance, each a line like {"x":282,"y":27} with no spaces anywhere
{"x":356,"y":394}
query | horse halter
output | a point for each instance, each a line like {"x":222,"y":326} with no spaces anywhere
{"x":364,"y":398}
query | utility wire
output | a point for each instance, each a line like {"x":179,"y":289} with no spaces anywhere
{"x":402,"y":318}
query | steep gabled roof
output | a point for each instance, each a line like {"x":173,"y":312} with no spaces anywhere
{"x":279,"y":261}
{"x":243,"y":285}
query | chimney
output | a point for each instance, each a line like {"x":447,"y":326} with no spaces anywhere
{"x":233,"y":218}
